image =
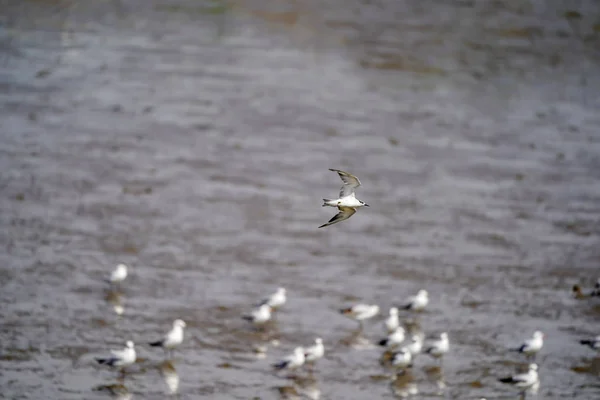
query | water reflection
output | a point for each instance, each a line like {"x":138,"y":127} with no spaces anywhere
{"x":115,"y":299}
{"x":436,"y":374}
{"x":117,"y":391}
{"x":403,"y":385}
{"x":170,"y":376}
{"x":357,"y":340}
{"x":300,"y":387}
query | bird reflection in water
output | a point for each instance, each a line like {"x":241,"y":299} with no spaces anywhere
{"x":403,"y":385}
{"x":170,"y":376}
{"x":118,"y":391}
{"x":115,"y":299}
{"x":300,"y":388}
{"x":357,"y":340}
{"x":436,"y":374}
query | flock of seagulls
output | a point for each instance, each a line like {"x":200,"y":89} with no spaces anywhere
{"x":401,"y":345}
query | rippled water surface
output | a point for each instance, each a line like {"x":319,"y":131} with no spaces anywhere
{"x":192,"y":141}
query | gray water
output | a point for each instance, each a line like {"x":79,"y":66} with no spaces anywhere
{"x":192,"y":141}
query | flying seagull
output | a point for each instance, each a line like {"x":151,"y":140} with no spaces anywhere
{"x":347,"y":202}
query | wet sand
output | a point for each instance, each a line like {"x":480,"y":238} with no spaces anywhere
{"x":192,"y":141}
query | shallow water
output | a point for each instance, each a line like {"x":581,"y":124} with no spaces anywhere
{"x":192,"y":139}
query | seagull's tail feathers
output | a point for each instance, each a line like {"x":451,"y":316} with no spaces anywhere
{"x":507,"y":380}
{"x":280,"y":365}
{"x":156,"y":344}
{"x":517,"y":349}
{"x":586,"y":342}
{"x":104,"y":360}
{"x":383,"y":342}
{"x":327,"y":202}
{"x":248,"y":318}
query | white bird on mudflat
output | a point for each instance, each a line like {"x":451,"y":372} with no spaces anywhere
{"x":173,"y":338}
{"x":523,"y":381}
{"x":314,"y":352}
{"x":532,"y":346}
{"x":392,"y":321}
{"x":418,"y":302}
{"x":347,"y":202}
{"x":393,"y":339}
{"x":120,"y":358}
{"x":360,"y":312}
{"x":402,"y":358}
{"x":119,"y":274}
{"x":592,"y":343}
{"x":293,"y":361}
{"x":276,"y":299}
{"x":438,"y":348}
{"x":415,"y":345}
{"x":259,"y":315}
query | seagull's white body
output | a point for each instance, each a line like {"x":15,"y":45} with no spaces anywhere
{"x":314,"y":352}
{"x":418,"y":302}
{"x":119,"y":274}
{"x":592,"y":343}
{"x":439,"y":347}
{"x":347,"y":203}
{"x":277,"y":299}
{"x":415,"y":345}
{"x":293,"y":361}
{"x":392,"y":321}
{"x":120,"y":358}
{"x":524,"y":381}
{"x":173,"y":338}
{"x":360,"y":312}
{"x":259,"y":315}
{"x":533,"y":345}
{"x":393,"y":339}
{"x":402,"y":358}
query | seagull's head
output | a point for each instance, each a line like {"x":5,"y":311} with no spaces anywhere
{"x":422,"y":293}
{"x":319,"y":340}
{"x":299,"y":351}
{"x":394,"y":311}
{"x":281,"y":291}
{"x":129,"y":344}
{"x":180,"y":323}
{"x":122,"y":268}
{"x":538,"y":335}
{"x":533,"y":367}
{"x":444,"y":336}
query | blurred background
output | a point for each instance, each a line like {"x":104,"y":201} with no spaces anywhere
{"x":192,"y":139}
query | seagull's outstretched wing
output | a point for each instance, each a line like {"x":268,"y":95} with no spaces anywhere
{"x":350,"y":182}
{"x":344,"y":214}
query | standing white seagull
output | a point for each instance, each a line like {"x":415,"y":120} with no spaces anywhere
{"x":532,"y":346}
{"x":293,"y":361}
{"x":347,"y":202}
{"x":418,"y":302}
{"x":392,"y":321}
{"x":173,"y":338}
{"x":523,"y":381}
{"x":438,"y":348}
{"x":119,"y":274}
{"x":120,"y":358}
{"x":259,"y":315}
{"x":314,"y":352}
{"x":276,"y":299}
{"x":393,"y":339}
{"x":360,"y":312}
